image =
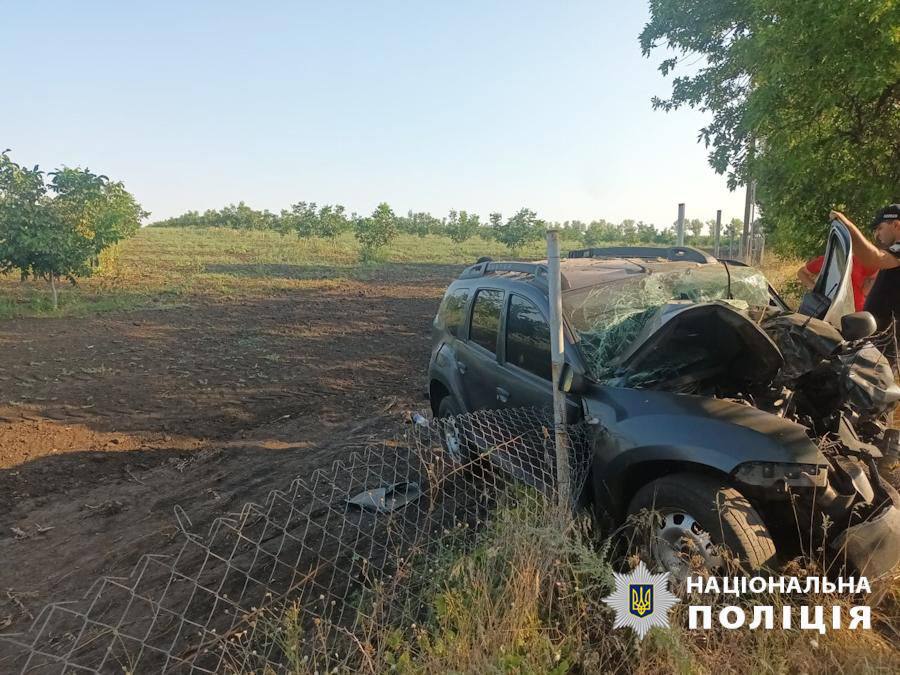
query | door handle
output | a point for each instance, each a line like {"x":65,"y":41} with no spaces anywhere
{"x":461,"y":367}
{"x":502,"y":395}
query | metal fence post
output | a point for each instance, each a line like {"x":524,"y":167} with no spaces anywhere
{"x":557,"y":359}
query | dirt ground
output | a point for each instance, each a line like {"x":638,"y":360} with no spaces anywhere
{"x":108,"y":422}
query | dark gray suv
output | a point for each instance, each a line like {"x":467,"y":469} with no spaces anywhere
{"x":709,"y":400}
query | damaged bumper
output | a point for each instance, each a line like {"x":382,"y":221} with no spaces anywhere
{"x":872,"y":547}
{"x":863,"y":509}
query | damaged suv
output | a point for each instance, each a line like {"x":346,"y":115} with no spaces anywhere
{"x":739,"y":421}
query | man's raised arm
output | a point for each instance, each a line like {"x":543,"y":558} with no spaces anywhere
{"x":863,"y":249}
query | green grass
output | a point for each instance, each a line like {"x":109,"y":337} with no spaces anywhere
{"x":160,"y":267}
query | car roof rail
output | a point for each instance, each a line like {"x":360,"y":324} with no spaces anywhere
{"x":670,"y":253}
{"x":538,"y":271}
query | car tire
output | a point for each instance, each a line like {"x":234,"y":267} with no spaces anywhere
{"x":454,"y":438}
{"x":710,"y":513}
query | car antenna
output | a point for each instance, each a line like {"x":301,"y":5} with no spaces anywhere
{"x":728,"y":272}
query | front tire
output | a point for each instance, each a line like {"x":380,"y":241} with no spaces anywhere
{"x":697,"y":515}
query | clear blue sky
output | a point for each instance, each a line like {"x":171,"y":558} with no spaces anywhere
{"x":426,"y":105}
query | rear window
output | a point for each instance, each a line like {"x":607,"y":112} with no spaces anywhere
{"x":453,"y":311}
{"x":486,"y":319}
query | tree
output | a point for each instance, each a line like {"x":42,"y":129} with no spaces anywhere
{"x":695,"y":227}
{"x":804,"y":97}
{"x":731,"y":232}
{"x":461,"y":226}
{"x":303,"y":218}
{"x":56,"y":230}
{"x":666,"y":236}
{"x":646,"y":233}
{"x":376,"y":231}
{"x":519,"y":229}
{"x":600,"y":231}
{"x":423,"y":224}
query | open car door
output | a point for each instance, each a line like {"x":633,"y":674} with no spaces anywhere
{"x":832,"y":296}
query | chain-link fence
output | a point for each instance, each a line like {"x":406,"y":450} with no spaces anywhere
{"x":310,"y":579}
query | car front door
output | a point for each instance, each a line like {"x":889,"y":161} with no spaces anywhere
{"x":832,"y":296}
{"x":525,"y":379}
{"x":476,"y":357}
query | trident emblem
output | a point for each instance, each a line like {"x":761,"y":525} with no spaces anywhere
{"x":641,"y":599}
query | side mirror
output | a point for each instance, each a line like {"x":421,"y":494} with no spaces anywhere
{"x":858,"y":325}
{"x":572,"y":380}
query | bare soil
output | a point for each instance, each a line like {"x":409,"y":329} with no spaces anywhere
{"x":108,"y":422}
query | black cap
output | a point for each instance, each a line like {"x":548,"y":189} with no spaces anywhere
{"x":889,"y":212}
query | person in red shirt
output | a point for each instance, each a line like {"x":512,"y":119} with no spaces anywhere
{"x":861,"y":277}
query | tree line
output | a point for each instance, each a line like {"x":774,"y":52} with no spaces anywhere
{"x":310,"y":220}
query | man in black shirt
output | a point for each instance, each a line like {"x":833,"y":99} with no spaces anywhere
{"x":883,"y":300}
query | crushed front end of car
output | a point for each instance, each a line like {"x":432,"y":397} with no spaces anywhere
{"x":709,"y":331}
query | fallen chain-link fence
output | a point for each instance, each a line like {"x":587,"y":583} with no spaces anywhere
{"x":310,"y":579}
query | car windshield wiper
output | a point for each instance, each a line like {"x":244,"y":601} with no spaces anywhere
{"x":728,"y":272}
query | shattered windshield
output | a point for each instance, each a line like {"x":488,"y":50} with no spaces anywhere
{"x":608,"y":317}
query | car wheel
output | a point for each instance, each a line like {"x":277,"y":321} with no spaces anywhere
{"x":697,"y":515}
{"x":453,"y":436}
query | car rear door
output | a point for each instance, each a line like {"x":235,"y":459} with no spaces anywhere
{"x":476,"y":357}
{"x":832,"y":296}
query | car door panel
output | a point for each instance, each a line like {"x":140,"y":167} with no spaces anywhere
{"x":832,"y":296}
{"x":476,"y":363}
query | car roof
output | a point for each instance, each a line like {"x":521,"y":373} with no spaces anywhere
{"x":575,"y":273}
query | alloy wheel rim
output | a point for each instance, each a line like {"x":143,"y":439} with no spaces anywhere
{"x":679,"y":539}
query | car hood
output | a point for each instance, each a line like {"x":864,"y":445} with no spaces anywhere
{"x":691,"y":341}
{"x":720,"y":433}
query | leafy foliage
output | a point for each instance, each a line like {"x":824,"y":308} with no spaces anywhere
{"x":520,"y":229}
{"x":804,"y":97}
{"x":376,"y":231}
{"x":327,"y":222}
{"x":308,"y":221}
{"x":461,"y":226}
{"x":236,"y":216}
{"x":57,"y":230}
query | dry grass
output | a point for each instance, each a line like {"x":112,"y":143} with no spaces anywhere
{"x":526,"y":598}
{"x":782,"y":275}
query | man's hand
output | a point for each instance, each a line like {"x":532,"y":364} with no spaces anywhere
{"x":837,"y":215}
{"x":863,"y":249}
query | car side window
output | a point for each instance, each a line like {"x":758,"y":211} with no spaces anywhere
{"x":453,"y":311}
{"x":486,"y":319}
{"x":527,"y":337}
